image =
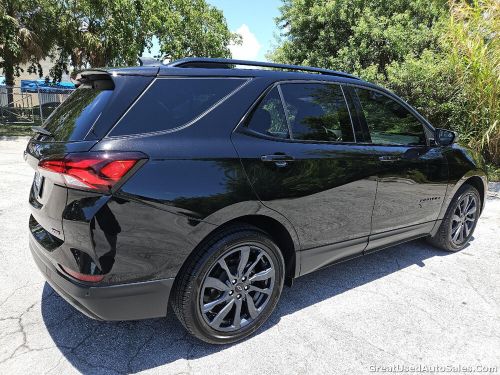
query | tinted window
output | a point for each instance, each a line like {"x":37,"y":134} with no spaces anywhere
{"x":73,"y":119}
{"x":317,"y":112}
{"x":269,"y":116}
{"x":389,"y":122}
{"x":173,"y":102}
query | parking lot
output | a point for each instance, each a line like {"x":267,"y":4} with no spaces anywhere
{"x":410,"y":305}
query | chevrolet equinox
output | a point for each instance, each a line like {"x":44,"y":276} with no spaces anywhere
{"x":210,"y":183}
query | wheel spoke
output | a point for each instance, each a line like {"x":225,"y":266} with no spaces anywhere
{"x":461,"y":233}
{"x":470,"y":202}
{"x":216,"y":322}
{"x":456,"y":218}
{"x":210,"y":305}
{"x":471,"y":211}
{"x":456,"y":232}
{"x":244,"y":254}
{"x":212,"y":282}
{"x":251,"y":307}
{"x":466,"y":229}
{"x":262,"y":275}
{"x":252,"y":266}
{"x":224,"y":266}
{"x":237,"y":314}
{"x":464,"y":204}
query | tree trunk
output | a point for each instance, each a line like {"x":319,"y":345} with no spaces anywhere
{"x":9,"y":71}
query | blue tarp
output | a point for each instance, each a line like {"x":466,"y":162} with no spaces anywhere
{"x":40,"y":85}
{"x":28,"y":85}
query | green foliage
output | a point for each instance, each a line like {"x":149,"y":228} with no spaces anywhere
{"x":27,"y":34}
{"x":474,"y":50}
{"x":89,"y":33}
{"x":429,"y":83}
{"x":189,"y":28}
{"x":441,"y":56}
{"x":356,"y":35}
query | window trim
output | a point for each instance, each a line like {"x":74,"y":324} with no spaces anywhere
{"x":245,"y":81}
{"x":285,"y":111}
{"x":242,"y":128}
{"x":426,"y":126}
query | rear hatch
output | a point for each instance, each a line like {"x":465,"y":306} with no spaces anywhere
{"x":69,"y":133}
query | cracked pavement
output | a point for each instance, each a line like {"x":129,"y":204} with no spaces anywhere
{"x":407,"y":305}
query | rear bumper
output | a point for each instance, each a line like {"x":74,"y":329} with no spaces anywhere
{"x":131,"y":301}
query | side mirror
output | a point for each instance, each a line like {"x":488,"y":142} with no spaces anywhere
{"x":444,"y":137}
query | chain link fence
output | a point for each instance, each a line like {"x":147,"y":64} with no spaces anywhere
{"x":29,"y":107}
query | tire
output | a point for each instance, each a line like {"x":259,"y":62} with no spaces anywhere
{"x":467,"y":199}
{"x":206,"y":298}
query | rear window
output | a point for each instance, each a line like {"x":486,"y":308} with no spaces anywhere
{"x":73,"y":119}
{"x":173,"y":102}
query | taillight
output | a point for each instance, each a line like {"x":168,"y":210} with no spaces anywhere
{"x":98,"y":171}
{"x":82,"y":276}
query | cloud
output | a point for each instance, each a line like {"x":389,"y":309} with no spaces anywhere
{"x":250,"y":47}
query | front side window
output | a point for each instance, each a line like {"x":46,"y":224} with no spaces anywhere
{"x":317,"y":112}
{"x":389,"y":122}
{"x":269,"y":116}
{"x":174,"y":102}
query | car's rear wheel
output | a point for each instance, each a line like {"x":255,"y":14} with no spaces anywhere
{"x":230,"y":286}
{"x":460,"y":220}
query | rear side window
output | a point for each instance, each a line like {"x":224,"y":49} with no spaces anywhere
{"x":269,"y":117}
{"x":389,"y":122}
{"x":173,"y":102}
{"x":72,"y":120}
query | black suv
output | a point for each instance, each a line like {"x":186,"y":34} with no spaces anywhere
{"x":210,"y":183}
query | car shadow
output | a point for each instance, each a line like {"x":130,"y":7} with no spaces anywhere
{"x":126,"y":347}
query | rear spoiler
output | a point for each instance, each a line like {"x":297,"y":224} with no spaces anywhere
{"x":95,"y":78}
{"x":147,"y":70}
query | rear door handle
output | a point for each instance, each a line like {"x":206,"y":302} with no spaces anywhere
{"x":280,"y":160}
{"x":389,"y":158}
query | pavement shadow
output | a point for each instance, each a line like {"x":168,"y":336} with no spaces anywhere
{"x":128,"y":347}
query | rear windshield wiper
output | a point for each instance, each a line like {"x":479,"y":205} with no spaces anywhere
{"x":40,"y":130}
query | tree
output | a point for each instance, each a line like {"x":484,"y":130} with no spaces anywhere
{"x":27,"y":35}
{"x":192,"y":28}
{"x":359,"y":36}
{"x":89,"y":33}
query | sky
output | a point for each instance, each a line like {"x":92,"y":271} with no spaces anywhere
{"x":253,"y":20}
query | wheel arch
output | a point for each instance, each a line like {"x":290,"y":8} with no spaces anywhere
{"x":280,"y":234}
{"x":285,"y":237}
{"x":476,"y":180}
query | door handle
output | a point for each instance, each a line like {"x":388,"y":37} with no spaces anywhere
{"x":389,"y":158}
{"x":280,"y":160}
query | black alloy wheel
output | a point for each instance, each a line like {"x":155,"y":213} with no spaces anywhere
{"x":230,"y":286}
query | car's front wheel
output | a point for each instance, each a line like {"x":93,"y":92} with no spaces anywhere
{"x":230,"y":286}
{"x":460,"y":220}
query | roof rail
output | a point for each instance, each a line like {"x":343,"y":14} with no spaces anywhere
{"x":205,"y":62}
